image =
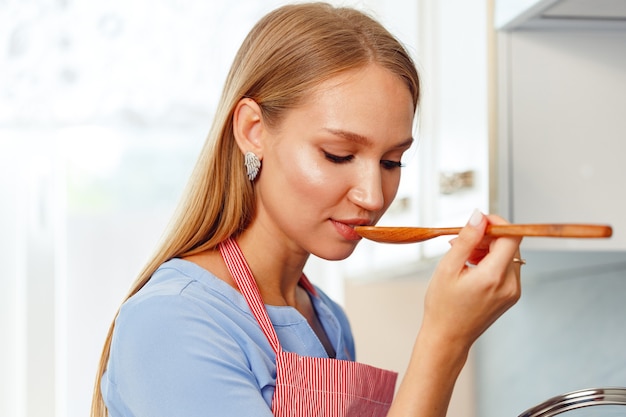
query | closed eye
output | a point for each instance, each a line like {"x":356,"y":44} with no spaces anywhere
{"x":338,"y":159}
{"x":387,"y":164}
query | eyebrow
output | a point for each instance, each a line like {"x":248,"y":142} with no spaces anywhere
{"x":363,"y":140}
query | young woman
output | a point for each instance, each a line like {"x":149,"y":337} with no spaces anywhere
{"x":308,"y":140}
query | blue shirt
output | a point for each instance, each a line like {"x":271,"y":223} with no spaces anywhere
{"x":187,"y":345}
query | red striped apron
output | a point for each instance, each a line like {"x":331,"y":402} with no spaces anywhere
{"x":308,"y":386}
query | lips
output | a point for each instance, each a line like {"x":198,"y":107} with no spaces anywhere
{"x":346,"y":228}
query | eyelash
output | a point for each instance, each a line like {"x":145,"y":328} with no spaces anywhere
{"x":387,"y":164}
{"x":338,"y":159}
{"x":391,"y":164}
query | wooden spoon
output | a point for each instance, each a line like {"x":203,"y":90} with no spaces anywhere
{"x":420,"y":234}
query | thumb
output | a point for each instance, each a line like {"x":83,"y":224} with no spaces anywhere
{"x":468,"y":239}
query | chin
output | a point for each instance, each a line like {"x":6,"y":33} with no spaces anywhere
{"x":336,"y":252}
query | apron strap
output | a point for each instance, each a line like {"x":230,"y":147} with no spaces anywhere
{"x":241,"y":273}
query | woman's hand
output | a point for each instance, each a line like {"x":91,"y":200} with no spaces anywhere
{"x":473,"y":285}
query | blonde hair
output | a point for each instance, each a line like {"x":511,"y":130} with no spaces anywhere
{"x":287,"y":53}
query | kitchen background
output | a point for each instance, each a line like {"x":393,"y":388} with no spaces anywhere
{"x":103,"y":107}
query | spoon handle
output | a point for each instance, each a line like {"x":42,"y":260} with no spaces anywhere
{"x":551,"y":230}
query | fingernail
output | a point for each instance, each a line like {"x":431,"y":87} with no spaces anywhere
{"x":476,"y":218}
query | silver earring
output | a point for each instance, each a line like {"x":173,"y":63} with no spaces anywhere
{"x":253,"y":164}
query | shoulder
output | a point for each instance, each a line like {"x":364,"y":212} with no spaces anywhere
{"x":181,"y":296}
{"x":184,"y":336}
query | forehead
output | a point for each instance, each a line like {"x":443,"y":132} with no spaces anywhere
{"x":371,"y":101}
{"x":368,"y":73}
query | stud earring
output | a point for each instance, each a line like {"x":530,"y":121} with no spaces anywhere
{"x":252,"y":164}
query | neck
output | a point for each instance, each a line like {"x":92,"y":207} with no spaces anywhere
{"x":276,"y":266}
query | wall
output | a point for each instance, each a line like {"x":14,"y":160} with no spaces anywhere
{"x":566,"y":333}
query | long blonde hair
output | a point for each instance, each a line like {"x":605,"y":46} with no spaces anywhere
{"x":288,"y":52}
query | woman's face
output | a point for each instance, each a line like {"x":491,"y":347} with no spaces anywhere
{"x":334,"y":162}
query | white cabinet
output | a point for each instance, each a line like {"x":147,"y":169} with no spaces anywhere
{"x":562,"y":129}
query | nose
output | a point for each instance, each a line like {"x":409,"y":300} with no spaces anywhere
{"x":368,"y":189}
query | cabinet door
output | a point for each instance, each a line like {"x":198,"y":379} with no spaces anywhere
{"x":564,"y":122}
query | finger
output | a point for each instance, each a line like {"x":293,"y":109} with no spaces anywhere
{"x":466,"y":242}
{"x":477,"y":256}
{"x":503,"y":249}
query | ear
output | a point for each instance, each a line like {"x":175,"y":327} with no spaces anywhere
{"x":248,"y":127}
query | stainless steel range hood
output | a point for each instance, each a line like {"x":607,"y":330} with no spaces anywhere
{"x":560,"y":14}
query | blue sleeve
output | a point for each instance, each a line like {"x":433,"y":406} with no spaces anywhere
{"x":170,"y":359}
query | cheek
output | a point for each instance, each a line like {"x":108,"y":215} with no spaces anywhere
{"x":306,"y":170}
{"x":301,"y":188}
{"x":308,"y":175}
